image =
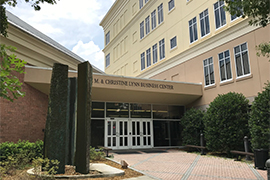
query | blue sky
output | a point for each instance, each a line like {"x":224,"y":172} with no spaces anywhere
{"x":74,"y":24}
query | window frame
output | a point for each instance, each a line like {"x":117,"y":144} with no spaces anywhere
{"x":147,"y":25}
{"x":225,"y":68}
{"x":204,"y":19}
{"x":148,"y":57}
{"x":209,"y":71}
{"x":142,"y":30}
{"x":155,"y":53}
{"x":162,"y":49}
{"x":192,"y":28}
{"x":160,"y":14}
{"x":169,"y":5}
{"x":107,"y":60}
{"x":242,"y":66}
{"x":107,"y":38}
{"x":220,"y":10}
{"x":174,"y":38}
{"x":140,"y":4}
{"x":153,"y":20}
{"x":142,"y":61}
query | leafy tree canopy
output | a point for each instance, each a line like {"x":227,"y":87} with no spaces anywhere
{"x":3,"y":18}
{"x":258,"y":10}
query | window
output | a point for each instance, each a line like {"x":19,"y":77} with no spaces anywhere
{"x":160,"y":13}
{"x":146,"y":1}
{"x":153,"y":19}
{"x":173,"y":42}
{"x":107,"y":38}
{"x":148,"y":57}
{"x":143,"y":61}
{"x":142,"y":29}
{"x":241,"y":60}
{"x":204,"y":21}
{"x":141,"y":3}
{"x":233,"y":17}
{"x":208,"y":71}
{"x":225,"y":65}
{"x":107,"y":60}
{"x":147,"y":25}
{"x":161,"y":49}
{"x":193,"y":35}
{"x":171,"y":4}
{"x":220,"y":16}
{"x":154,"y":49}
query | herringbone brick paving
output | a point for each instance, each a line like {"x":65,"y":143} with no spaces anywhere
{"x":174,"y":165}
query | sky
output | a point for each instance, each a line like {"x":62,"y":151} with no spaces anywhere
{"x":73,"y":24}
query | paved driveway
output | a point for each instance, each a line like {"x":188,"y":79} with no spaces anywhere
{"x":174,"y":164}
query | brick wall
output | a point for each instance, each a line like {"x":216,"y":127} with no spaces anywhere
{"x":24,"y":118}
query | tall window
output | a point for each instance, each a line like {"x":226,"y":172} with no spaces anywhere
{"x":204,"y":21}
{"x":153,"y":19}
{"x":208,"y":71}
{"x":147,"y":25}
{"x":148,"y":57}
{"x":141,"y":3}
{"x":220,"y":16}
{"x":143,"y":61}
{"x":107,"y":61}
{"x":107,"y":37}
{"x":225,"y":65}
{"x":193,"y":34}
{"x":142,"y":29}
{"x":160,"y":13}
{"x":241,"y":60}
{"x":171,"y":4}
{"x":173,"y":42}
{"x":161,"y":49}
{"x":154,"y":49}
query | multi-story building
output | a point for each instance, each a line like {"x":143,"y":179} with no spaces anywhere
{"x":188,"y":41}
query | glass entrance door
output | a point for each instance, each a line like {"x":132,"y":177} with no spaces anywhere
{"x":128,"y":133}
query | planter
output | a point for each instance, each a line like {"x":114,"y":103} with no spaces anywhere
{"x":261,"y":156}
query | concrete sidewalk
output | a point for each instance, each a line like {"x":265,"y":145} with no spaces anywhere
{"x":176,"y":165}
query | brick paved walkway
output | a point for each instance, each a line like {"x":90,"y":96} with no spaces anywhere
{"x":174,"y":165}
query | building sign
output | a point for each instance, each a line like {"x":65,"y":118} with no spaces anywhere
{"x":132,"y":84}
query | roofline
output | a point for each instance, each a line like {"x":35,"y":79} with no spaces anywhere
{"x":11,"y":20}
{"x":108,"y":12}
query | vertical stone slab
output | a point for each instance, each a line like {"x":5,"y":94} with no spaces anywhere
{"x":83,"y":117}
{"x":72,"y":94}
{"x":56,"y":125}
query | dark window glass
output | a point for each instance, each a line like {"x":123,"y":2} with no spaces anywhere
{"x":98,"y":109}
{"x":97,"y":133}
{"x":140,"y":110}
{"x":167,"y":112}
{"x":117,"y":110}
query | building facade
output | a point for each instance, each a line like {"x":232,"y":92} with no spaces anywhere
{"x":187,"y":41}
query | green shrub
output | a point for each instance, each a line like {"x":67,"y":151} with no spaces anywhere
{"x":96,"y":155}
{"x":33,"y":150}
{"x":192,"y":123}
{"x":49,"y":167}
{"x":226,"y":122}
{"x":259,"y":122}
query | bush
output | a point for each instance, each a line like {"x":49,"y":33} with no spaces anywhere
{"x":33,"y":150}
{"x":192,"y":123}
{"x":96,"y":155}
{"x":259,"y":122}
{"x":226,"y":122}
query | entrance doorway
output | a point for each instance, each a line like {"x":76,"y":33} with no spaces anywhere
{"x":128,"y":133}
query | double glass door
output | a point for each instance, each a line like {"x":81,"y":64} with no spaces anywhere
{"x":128,"y":133}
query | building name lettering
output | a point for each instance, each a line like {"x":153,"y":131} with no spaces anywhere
{"x":132,"y":83}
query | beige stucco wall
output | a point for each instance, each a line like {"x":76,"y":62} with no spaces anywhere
{"x":192,"y":70}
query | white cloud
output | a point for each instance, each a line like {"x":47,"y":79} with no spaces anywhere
{"x":91,"y":52}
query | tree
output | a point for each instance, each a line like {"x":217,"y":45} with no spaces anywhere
{"x":3,"y":17}
{"x":258,"y":10}
{"x":226,"y":122}
{"x":10,"y":86}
